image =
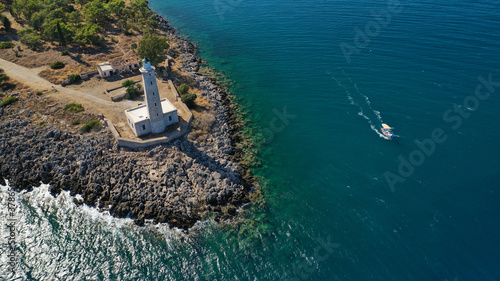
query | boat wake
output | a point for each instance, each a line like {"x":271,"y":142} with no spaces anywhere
{"x":362,"y":102}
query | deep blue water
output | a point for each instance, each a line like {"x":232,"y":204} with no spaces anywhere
{"x":327,"y":165}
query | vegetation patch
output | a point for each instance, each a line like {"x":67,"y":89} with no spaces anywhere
{"x":133,"y":91}
{"x":75,"y":122}
{"x":80,"y":22}
{"x":93,"y":125}
{"x":65,"y":53}
{"x":127,"y":83}
{"x":74,"y":107}
{"x":152,"y":46}
{"x":7,"y":45}
{"x":189,"y":99}
{"x":57,"y":65}
{"x":183,"y":89}
{"x":9,"y":100}
{"x":3,"y":78}
{"x":74,"y":78}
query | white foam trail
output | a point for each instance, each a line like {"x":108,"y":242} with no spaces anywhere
{"x":367,"y":100}
{"x":365,"y":104}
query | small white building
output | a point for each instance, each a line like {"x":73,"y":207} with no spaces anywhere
{"x":156,"y":115}
{"x":106,"y":69}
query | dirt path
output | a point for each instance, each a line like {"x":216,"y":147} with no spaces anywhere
{"x":89,"y":94}
{"x":92,"y":103}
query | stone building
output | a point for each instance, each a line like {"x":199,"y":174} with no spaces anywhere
{"x":156,"y":115}
{"x":106,"y":69}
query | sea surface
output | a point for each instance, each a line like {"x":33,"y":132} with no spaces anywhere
{"x":318,"y":78}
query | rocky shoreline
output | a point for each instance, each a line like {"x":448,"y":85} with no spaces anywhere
{"x":179,"y":183}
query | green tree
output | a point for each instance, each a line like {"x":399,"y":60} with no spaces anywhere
{"x":74,"y":17}
{"x":116,"y":7}
{"x":50,"y":30}
{"x":133,"y":91}
{"x":6,"y":23}
{"x":25,"y":8}
{"x":74,"y":78}
{"x":37,"y":19}
{"x":127,"y":83}
{"x":95,"y":12}
{"x":2,"y":8}
{"x":60,"y":34}
{"x":152,"y":46}
{"x":189,"y":99}
{"x":183,"y":89}
{"x":30,"y":37}
{"x":88,"y":34}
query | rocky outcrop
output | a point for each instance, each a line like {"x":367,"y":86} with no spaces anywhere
{"x":177,"y":184}
{"x":225,"y":135}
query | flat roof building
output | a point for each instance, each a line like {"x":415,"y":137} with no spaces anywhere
{"x":156,"y":115}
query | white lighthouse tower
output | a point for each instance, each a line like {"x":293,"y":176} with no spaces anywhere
{"x":152,"y":97}
{"x":157,"y":114}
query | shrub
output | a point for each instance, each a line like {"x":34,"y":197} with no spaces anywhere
{"x":4,"y":77}
{"x":183,"y":89}
{"x":93,"y":125}
{"x":7,"y":101}
{"x":133,"y":46}
{"x":7,"y":45}
{"x":79,"y":56}
{"x":39,"y":93}
{"x":6,"y":23}
{"x":30,"y":37}
{"x":57,"y":65}
{"x":41,"y":123}
{"x":189,"y":99}
{"x":75,"y":122}
{"x":133,"y":91}
{"x":127,"y":83}
{"x":65,"y":53}
{"x":73,"y":78}
{"x":74,"y":107}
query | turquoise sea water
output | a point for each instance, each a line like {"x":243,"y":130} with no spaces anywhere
{"x":331,"y":214}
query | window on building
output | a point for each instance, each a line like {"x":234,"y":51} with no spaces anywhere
{"x":144,"y":127}
{"x":155,"y":103}
{"x":157,"y":114}
{"x":169,"y":118}
{"x":151,"y":82}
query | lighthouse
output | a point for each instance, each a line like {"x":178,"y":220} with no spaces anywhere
{"x":157,"y":114}
{"x":152,"y":97}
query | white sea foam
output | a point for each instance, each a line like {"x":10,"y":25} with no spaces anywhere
{"x":363,"y":103}
{"x":59,"y":240}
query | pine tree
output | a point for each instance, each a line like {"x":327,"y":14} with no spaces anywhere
{"x":6,"y":23}
{"x":60,"y":33}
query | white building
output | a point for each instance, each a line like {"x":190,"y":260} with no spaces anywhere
{"x":106,"y":69}
{"x":157,"y":114}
